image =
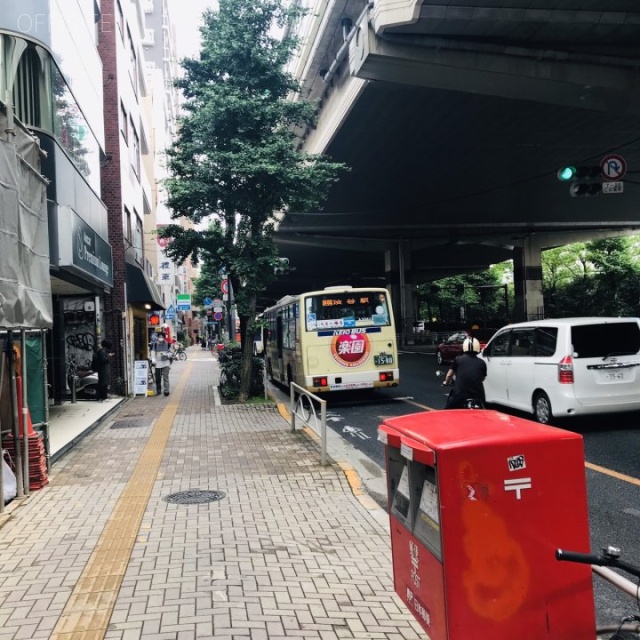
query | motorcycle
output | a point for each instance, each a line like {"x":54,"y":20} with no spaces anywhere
{"x":469,"y":403}
{"x":82,"y":382}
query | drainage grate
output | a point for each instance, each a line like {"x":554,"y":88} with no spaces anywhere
{"x":131,"y":422}
{"x":194,"y":496}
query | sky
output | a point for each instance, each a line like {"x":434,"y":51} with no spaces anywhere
{"x":186,"y":17}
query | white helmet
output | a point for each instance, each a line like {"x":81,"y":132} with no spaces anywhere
{"x":471,"y":345}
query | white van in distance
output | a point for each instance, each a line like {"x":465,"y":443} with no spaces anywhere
{"x":565,"y":367}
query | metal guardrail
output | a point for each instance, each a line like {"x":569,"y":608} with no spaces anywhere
{"x":303,"y":407}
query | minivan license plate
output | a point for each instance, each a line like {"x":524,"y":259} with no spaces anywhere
{"x":613,"y":376}
{"x":383,"y":359}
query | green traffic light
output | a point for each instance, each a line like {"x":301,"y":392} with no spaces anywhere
{"x":567,"y":173}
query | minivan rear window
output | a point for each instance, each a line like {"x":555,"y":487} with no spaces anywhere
{"x":602,"y":340}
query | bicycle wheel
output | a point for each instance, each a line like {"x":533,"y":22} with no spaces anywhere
{"x":182,"y":355}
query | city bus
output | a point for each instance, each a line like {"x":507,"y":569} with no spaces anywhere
{"x":336,"y":339}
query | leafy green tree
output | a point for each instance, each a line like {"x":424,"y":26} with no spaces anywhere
{"x":602,"y":276}
{"x":616,"y":276}
{"x":480,"y":294}
{"x":235,"y":161}
{"x":208,"y":283}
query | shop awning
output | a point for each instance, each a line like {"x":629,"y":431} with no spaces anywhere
{"x":141,"y":289}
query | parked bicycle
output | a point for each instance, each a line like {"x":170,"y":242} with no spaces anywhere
{"x":629,"y":627}
{"x":178,"y":352}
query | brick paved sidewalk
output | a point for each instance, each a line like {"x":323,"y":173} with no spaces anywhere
{"x":288,"y":552}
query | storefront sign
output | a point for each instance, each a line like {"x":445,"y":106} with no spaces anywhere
{"x":84,"y":249}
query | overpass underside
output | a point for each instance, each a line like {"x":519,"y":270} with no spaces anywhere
{"x":454,"y":132}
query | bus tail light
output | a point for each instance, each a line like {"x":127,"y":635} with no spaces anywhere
{"x":320,"y":381}
{"x":565,"y":370}
{"x":385,"y":376}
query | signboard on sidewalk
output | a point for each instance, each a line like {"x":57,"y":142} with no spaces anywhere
{"x":141,"y":377}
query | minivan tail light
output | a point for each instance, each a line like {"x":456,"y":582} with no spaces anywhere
{"x":565,"y":370}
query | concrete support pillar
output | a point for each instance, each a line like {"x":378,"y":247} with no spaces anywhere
{"x":398,"y":275}
{"x":527,"y":279}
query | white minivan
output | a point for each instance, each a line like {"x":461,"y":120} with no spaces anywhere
{"x":565,"y":367}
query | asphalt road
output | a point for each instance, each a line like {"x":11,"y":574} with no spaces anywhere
{"x":612,"y":443}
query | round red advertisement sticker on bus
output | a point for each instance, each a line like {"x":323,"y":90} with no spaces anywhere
{"x":351,"y":349}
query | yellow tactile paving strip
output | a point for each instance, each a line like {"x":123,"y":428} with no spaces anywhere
{"x":88,"y":611}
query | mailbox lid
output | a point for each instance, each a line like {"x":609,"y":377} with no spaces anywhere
{"x":451,"y":429}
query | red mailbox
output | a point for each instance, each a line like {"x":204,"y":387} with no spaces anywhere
{"x":479,"y":501}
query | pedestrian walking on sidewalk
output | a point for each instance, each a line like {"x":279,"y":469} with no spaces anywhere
{"x":164,"y":357}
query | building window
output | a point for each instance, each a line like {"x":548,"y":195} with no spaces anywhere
{"x":133,"y":63}
{"x":120,"y":18}
{"x":127,"y":226}
{"x":124,"y":123}
{"x":26,"y":89}
{"x":138,"y":239}
{"x":135,"y":149}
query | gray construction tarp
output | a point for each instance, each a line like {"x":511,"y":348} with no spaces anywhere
{"x":25,"y":284}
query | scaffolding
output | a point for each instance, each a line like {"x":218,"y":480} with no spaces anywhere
{"x":25,"y":284}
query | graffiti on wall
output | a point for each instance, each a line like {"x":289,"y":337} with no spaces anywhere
{"x":79,"y":331}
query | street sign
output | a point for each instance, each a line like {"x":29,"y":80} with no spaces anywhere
{"x":217,"y":315}
{"x":613,"y":167}
{"x":225,"y":286}
{"x":218,"y":309}
{"x":170,"y":313}
{"x":184,"y":302}
{"x":612,"y":187}
{"x":208,"y":302}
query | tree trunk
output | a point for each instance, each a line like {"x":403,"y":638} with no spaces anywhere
{"x":247,"y":350}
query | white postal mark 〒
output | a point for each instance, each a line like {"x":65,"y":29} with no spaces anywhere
{"x":517,"y":485}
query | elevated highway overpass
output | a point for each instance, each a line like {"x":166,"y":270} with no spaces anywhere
{"x":454,"y":117}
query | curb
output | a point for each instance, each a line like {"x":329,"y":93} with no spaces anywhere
{"x":55,"y":457}
{"x":350,"y":473}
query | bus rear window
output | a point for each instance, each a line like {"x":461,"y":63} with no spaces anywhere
{"x":346,"y":309}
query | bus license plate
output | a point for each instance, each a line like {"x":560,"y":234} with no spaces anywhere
{"x":383,"y":359}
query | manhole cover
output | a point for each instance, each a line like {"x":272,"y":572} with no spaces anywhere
{"x":131,"y":422}
{"x":194,"y":496}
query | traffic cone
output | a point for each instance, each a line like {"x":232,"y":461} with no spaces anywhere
{"x":38,"y":475}
{"x":30,"y":431}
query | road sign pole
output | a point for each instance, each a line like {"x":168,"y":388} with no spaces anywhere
{"x":231,"y":320}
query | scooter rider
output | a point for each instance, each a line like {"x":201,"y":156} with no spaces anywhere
{"x":470,"y":372}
